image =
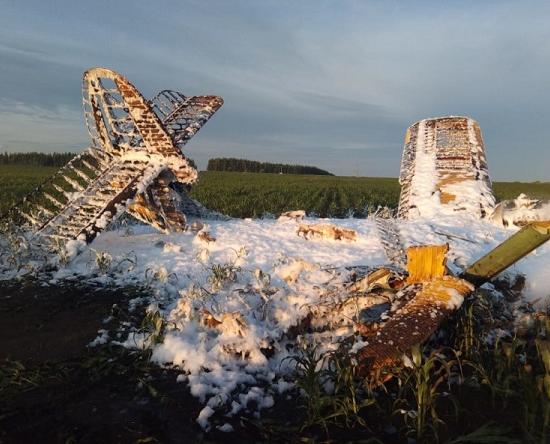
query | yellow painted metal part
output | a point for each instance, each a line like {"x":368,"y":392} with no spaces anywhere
{"x":509,"y":252}
{"x":444,"y":290}
{"x":426,"y":262}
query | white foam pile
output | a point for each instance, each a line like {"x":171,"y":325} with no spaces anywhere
{"x":521,"y":209}
{"x":233,"y":306}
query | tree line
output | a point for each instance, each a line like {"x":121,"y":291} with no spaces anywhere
{"x":36,"y":159}
{"x":253,"y":166}
{"x":216,"y":164}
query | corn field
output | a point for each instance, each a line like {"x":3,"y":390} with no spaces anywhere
{"x":260,"y":194}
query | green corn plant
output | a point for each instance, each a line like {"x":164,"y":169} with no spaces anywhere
{"x":504,"y":361}
{"x":103,"y":261}
{"x":543,"y":384}
{"x":474,"y":319}
{"x":62,"y":253}
{"x":310,"y":378}
{"x":153,"y":325}
{"x":420,"y":389}
{"x":159,"y":274}
{"x":222,"y":274}
{"x":347,"y":401}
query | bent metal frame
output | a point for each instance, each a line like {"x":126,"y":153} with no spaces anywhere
{"x":132,"y":164}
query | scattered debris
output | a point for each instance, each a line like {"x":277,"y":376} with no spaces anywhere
{"x":207,"y":319}
{"x":291,"y":271}
{"x":297,"y":215}
{"x":435,"y":295}
{"x":431,"y":297}
{"x":520,"y":211}
{"x":327,"y":231}
{"x":380,"y":278}
{"x":413,"y":323}
{"x":196,"y":226}
{"x":169,"y":247}
{"x":232,"y":323}
{"x":205,"y":236}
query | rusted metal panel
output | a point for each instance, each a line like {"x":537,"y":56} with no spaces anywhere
{"x":428,"y":298}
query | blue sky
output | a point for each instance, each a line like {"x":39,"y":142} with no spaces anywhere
{"x":329,"y":83}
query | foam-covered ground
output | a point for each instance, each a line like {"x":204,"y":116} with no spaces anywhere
{"x":263,"y":243}
{"x":227,"y":301}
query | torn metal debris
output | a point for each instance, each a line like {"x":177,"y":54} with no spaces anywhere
{"x":430,"y":295}
{"x":520,"y":211}
{"x":135,"y":164}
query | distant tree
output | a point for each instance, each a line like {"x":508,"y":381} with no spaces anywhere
{"x":252,"y":166}
{"x":35,"y":158}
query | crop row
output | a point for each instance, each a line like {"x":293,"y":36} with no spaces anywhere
{"x":259,"y":194}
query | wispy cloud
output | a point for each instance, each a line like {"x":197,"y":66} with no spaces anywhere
{"x":302,"y":81}
{"x":33,"y":128}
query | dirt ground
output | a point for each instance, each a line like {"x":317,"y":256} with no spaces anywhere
{"x":54,"y":388}
{"x":51,"y":323}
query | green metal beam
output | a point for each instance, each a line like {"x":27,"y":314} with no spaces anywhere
{"x":509,"y":252}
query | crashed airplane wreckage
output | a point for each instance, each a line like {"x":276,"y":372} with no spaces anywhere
{"x":443,"y":172}
{"x":135,"y":164}
{"x":421,"y":297}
